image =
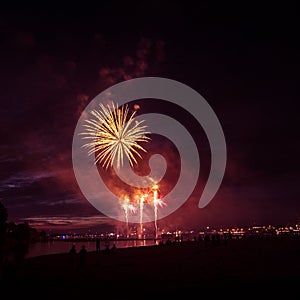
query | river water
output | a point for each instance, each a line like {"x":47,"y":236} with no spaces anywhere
{"x":57,"y":246}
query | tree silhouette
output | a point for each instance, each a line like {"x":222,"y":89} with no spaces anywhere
{"x":3,"y":219}
{"x":3,"y":214}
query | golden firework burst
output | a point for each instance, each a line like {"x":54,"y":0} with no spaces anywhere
{"x":113,"y":134}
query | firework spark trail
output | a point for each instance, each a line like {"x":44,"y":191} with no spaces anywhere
{"x":131,"y":208}
{"x":142,"y":199}
{"x":155,"y":203}
{"x":141,"y":214}
{"x":125,"y":207}
{"x":114,"y":134}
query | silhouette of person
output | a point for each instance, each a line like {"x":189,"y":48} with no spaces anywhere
{"x":107,"y":249}
{"x":98,"y":245}
{"x":213,"y":239}
{"x":72,"y":254}
{"x":218,"y":238}
{"x":207,"y":239}
{"x":168,"y":242}
{"x":113,"y":248}
{"x":199,"y":239}
{"x":225,"y":239}
{"x":73,"y":249}
{"x":82,"y":256}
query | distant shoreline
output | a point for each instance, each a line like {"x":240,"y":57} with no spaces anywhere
{"x":55,"y":246}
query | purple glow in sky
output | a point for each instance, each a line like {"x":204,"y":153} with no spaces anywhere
{"x":245,"y":64}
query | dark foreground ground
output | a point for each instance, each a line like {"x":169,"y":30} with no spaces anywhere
{"x":237,"y":269}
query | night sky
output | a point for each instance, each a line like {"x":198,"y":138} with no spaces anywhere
{"x":243,"y":60}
